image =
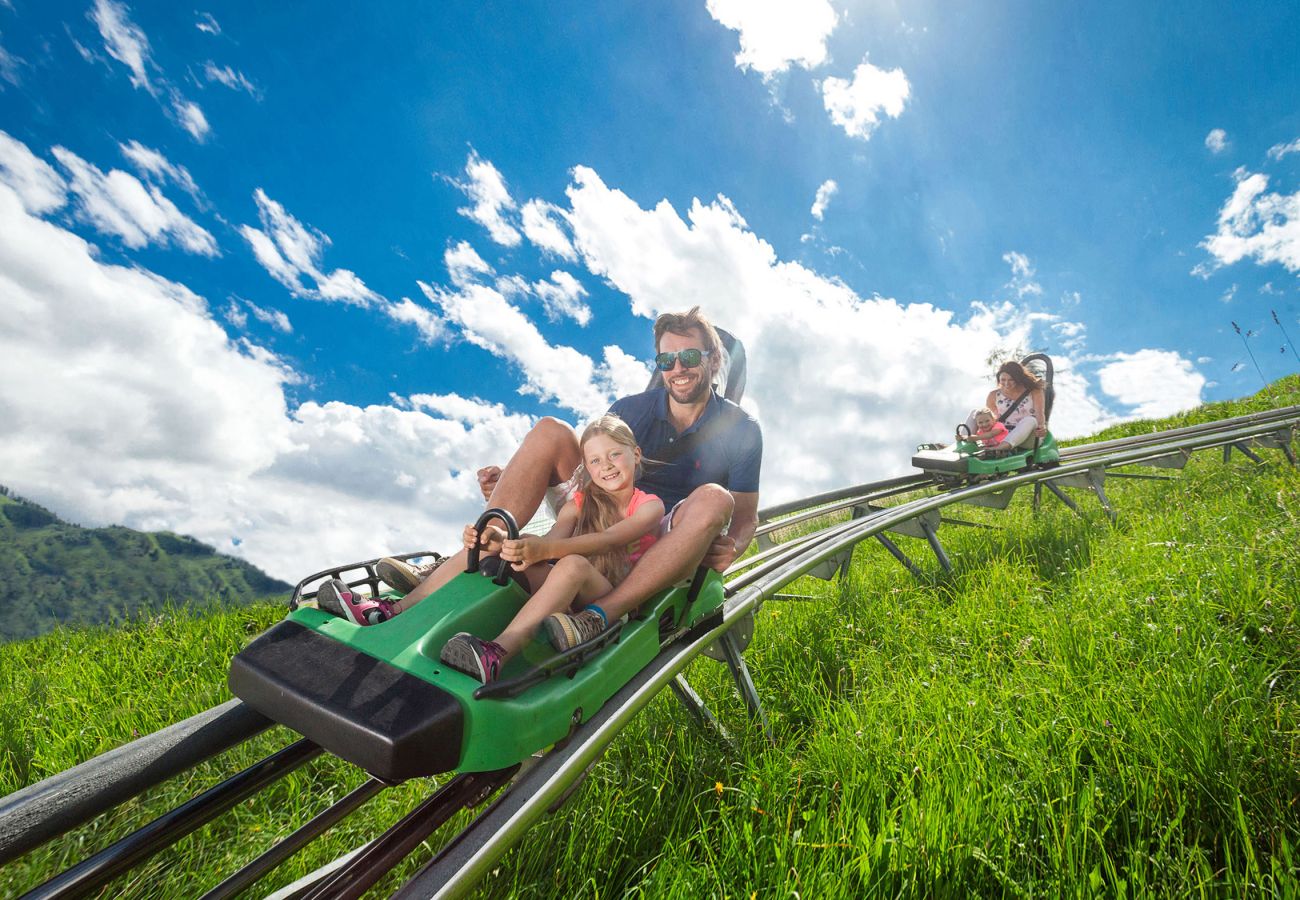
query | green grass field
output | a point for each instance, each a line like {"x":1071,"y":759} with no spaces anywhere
{"x":1077,"y":710}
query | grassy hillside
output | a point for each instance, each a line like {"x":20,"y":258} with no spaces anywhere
{"x":52,"y":572}
{"x":1077,"y":710}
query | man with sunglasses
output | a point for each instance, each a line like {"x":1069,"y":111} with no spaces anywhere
{"x":709,"y":453}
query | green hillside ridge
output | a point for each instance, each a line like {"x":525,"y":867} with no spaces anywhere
{"x":56,"y":573}
{"x":1078,"y":709}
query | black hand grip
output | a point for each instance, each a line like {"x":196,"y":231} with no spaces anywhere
{"x":959,"y":430}
{"x":512,"y":532}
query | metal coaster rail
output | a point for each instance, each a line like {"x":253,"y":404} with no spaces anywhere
{"x":39,"y":812}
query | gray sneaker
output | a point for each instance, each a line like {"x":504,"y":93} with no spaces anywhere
{"x":568,"y":631}
{"x":403,"y":576}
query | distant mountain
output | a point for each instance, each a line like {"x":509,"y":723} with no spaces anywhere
{"x":53,"y":572}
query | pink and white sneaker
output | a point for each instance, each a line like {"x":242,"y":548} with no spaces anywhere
{"x":334,"y":596}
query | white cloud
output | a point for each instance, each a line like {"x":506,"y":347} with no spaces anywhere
{"x":127,"y":404}
{"x":291,"y":251}
{"x":551,"y":372}
{"x":1258,"y":225}
{"x":857,"y":105}
{"x":207,"y":24}
{"x":124,"y":40}
{"x":1072,"y":335}
{"x":562,"y":298}
{"x":235,"y":313}
{"x":540,"y":226}
{"x":1154,"y":382}
{"x":827,"y":190}
{"x":119,"y":204}
{"x":1217,"y":141}
{"x":231,"y":78}
{"x":873,"y":376}
{"x":9,"y":66}
{"x":491,"y":198}
{"x":1228,"y":295}
{"x":464,"y":265}
{"x":777,"y":33}
{"x":1022,"y":275}
{"x":431,"y":326}
{"x":1277,"y":151}
{"x":191,"y":118}
{"x":152,"y":164}
{"x":37,"y":184}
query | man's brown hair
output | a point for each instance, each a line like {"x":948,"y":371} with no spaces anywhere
{"x":684,"y":325}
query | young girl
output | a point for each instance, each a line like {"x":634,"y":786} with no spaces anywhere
{"x":988,"y":430}
{"x":596,"y":539}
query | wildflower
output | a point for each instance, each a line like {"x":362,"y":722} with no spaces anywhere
{"x":717,"y":788}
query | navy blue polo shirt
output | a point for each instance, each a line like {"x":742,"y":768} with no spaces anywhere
{"x":728,"y":452}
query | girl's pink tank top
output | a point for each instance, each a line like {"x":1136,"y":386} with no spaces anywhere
{"x":646,"y":541}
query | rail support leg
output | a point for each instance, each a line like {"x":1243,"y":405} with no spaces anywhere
{"x":1064,"y":498}
{"x":1288,"y":452}
{"x":933,"y":538}
{"x":695,"y":706}
{"x":1038,"y":495}
{"x":745,"y":684}
{"x":901,"y":557}
{"x":1097,"y":478}
{"x":1245,"y":451}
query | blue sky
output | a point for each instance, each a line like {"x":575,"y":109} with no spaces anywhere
{"x":281,"y":276}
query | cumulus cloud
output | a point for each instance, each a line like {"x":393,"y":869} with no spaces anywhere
{"x":146,"y":419}
{"x":827,"y":190}
{"x":1256,"y":224}
{"x":37,"y":184}
{"x":291,"y":252}
{"x":551,"y":372}
{"x":774,"y":34}
{"x":857,"y":105}
{"x":562,"y":298}
{"x":119,"y":204}
{"x":1216,"y":141}
{"x":127,"y":43}
{"x":491,"y":200}
{"x":464,"y":265}
{"x":540,"y":226}
{"x":1154,"y":383}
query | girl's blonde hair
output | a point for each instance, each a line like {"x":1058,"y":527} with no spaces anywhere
{"x":982,"y":411}
{"x":600,"y":509}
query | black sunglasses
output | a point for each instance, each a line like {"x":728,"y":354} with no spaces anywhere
{"x":690,"y":359}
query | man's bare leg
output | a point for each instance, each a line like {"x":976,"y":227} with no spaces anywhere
{"x":675,"y":556}
{"x":547,"y":457}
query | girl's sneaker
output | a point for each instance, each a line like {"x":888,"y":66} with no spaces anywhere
{"x":568,"y":631}
{"x":402,"y":575}
{"x":334,"y":596}
{"x":476,"y":658}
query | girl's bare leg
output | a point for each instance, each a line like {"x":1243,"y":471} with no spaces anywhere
{"x":548,"y":456}
{"x":573,"y":577}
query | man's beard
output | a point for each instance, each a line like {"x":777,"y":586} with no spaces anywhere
{"x":698,"y":392}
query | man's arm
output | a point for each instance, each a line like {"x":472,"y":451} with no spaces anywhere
{"x":728,"y":546}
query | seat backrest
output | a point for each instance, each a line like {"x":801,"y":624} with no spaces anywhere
{"x":1040,"y":366}
{"x":731,"y":374}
